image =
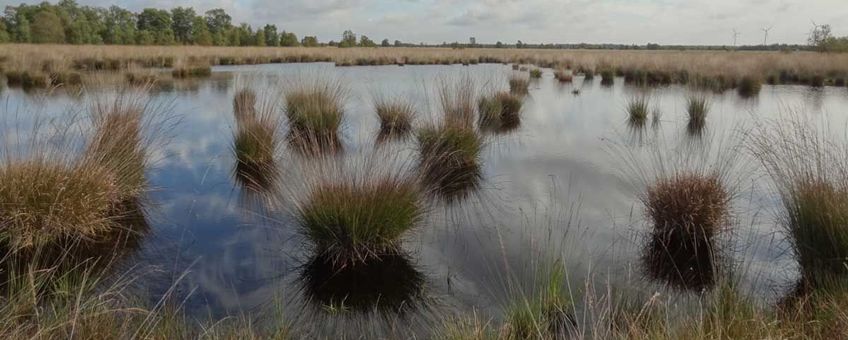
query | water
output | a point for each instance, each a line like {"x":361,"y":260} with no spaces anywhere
{"x":556,"y":184}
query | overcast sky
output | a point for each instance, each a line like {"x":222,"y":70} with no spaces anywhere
{"x":531,"y":21}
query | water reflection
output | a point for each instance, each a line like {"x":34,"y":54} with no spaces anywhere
{"x":681,"y":261}
{"x":388,"y":283}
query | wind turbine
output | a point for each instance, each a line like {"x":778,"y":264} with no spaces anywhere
{"x":735,"y":36}
{"x":765,"y":35}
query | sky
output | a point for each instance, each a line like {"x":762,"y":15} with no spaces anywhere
{"x":687,"y":22}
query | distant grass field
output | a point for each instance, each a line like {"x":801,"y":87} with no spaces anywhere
{"x":654,"y":67}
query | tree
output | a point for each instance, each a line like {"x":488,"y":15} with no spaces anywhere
{"x":309,"y":41}
{"x":158,"y":23}
{"x":119,"y":26}
{"x":218,"y":21}
{"x":4,"y":34}
{"x":183,"y":24}
{"x":259,"y":40}
{"x":348,"y":39}
{"x":288,"y":39}
{"x":519,"y":44}
{"x":200,"y":33}
{"x":364,"y":41}
{"x":385,"y":43}
{"x":47,"y":28}
{"x":498,"y":44}
{"x":398,"y":43}
{"x":271,"y":36}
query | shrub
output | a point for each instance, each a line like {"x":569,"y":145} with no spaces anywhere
{"x":355,"y":220}
{"x":749,"y":86}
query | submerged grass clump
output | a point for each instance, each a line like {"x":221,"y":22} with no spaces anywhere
{"x":355,"y":220}
{"x":396,"y":116}
{"x":518,"y":84}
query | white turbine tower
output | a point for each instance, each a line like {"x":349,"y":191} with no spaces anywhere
{"x":765,"y":34}
{"x":735,"y":36}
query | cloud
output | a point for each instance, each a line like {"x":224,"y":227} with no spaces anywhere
{"x":567,"y":21}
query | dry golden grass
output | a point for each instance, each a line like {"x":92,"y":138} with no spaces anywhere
{"x":791,"y":67}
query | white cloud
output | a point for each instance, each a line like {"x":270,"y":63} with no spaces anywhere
{"x":568,"y":21}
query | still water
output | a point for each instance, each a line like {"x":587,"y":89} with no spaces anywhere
{"x":555,"y":185}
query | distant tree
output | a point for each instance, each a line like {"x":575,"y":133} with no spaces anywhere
{"x":332,"y":43}
{"x":245,"y":35}
{"x":309,"y":41}
{"x":4,"y":34}
{"x":183,"y":21}
{"x":398,"y":43}
{"x":200,"y":33}
{"x":498,"y":44}
{"x":158,"y":22}
{"x":348,"y":39}
{"x":145,"y":38}
{"x":288,"y":39}
{"x":271,"y":36}
{"x":385,"y":43}
{"x":259,"y":40}
{"x":120,"y":26}
{"x":519,"y":44}
{"x":218,"y":21}
{"x":47,"y":28}
{"x":364,"y":41}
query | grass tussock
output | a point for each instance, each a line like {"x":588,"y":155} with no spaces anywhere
{"x":697,"y":106}
{"x":356,"y":220}
{"x":607,"y":77}
{"x":563,"y":76}
{"x":638,"y":108}
{"x":47,"y":202}
{"x":458,"y":102}
{"x":697,"y":205}
{"x":450,"y":159}
{"x":536,"y":73}
{"x":315,"y":111}
{"x":118,"y":144}
{"x":256,"y":140}
{"x":395,"y":116}
{"x":808,"y":167}
{"x":501,"y":111}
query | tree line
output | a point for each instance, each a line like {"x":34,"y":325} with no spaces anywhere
{"x":67,"y":22}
